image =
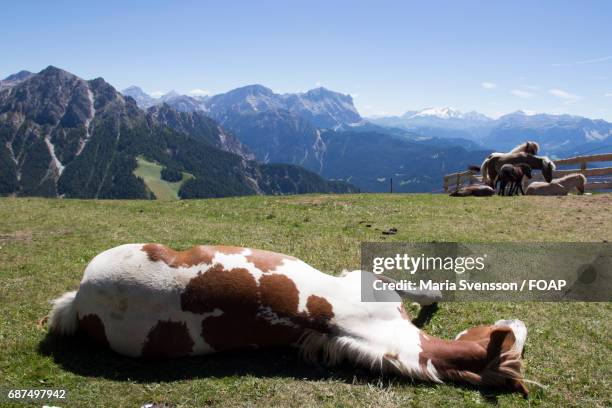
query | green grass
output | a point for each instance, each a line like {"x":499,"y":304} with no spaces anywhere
{"x":151,"y":174}
{"x":45,"y":245}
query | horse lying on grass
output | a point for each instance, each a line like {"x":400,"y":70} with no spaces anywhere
{"x":147,"y":300}
{"x":476,"y":190}
{"x":511,"y":176}
{"x":559,"y":186}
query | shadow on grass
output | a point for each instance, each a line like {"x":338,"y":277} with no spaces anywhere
{"x":79,"y":355}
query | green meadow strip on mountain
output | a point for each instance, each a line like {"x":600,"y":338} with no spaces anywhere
{"x":151,"y":174}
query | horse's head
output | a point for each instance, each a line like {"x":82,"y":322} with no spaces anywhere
{"x":547,"y":169}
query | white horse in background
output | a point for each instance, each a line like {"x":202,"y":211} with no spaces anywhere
{"x":559,"y":186}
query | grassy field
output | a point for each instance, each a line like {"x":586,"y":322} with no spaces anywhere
{"x":151,"y":174}
{"x":45,"y":245}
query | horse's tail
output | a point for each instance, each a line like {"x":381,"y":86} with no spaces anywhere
{"x":63,"y":316}
{"x":474,"y":167}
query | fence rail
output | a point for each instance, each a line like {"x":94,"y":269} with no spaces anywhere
{"x":596,"y":177}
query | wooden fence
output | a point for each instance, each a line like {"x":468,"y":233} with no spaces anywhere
{"x":599,"y":178}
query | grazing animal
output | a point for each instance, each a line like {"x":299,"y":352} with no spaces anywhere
{"x":493,"y":164}
{"x":527,"y":147}
{"x":147,"y":300}
{"x":511,"y":176}
{"x":558,"y":186}
{"x":476,"y":190}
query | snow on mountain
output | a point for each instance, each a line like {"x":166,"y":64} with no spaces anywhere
{"x":554,"y":133}
{"x":442,"y":113}
{"x":143,"y":100}
{"x":446,"y":113}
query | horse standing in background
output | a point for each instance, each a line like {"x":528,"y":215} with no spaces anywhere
{"x":527,"y":147}
{"x":511,"y":176}
{"x":492,"y":165}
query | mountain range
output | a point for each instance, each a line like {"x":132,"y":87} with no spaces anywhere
{"x":61,"y":135}
{"x":322,"y":131}
{"x":558,"y":135}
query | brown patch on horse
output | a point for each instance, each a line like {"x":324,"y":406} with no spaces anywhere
{"x":242,"y":325}
{"x":217,"y":288}
{"x":175,"y":259}
{"x":93,"y":326}
{"x":252,"y":315}
{"x":319,"y":308}
{"x":267,"y":261}
{"x":450,"y":356}
{"x":478,"y":334}
{"x":280,"y":294}
{"x":168,"y":339}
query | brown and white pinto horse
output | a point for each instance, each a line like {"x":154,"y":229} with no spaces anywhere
{"x":147,"y":300}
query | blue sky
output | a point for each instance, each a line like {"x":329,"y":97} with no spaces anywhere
{"x":392,"y":56}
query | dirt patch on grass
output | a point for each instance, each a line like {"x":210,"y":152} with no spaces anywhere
{"x":18,"y":236}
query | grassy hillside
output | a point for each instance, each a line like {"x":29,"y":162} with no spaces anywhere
{"x":151,"y":174}
{"x":45,"y":245}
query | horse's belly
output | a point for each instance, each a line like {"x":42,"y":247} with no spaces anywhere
{"x":134,"y":305}
{"x":140,"y":307}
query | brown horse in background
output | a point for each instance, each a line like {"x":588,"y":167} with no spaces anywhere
{"x":492,"y":165}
